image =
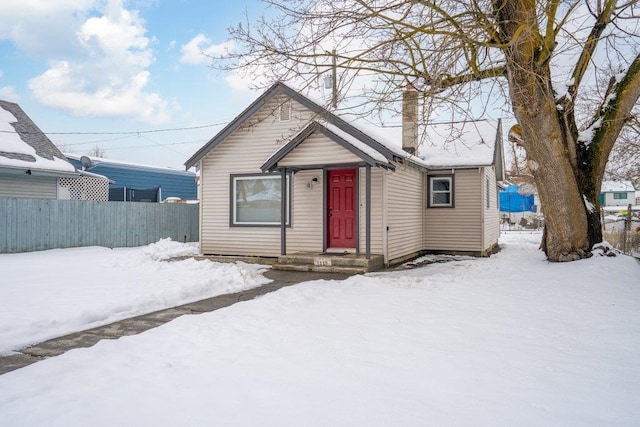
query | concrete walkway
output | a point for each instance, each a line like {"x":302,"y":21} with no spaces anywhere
{"x":136,"y":325}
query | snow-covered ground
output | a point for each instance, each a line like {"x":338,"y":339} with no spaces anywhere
{"x":52,"y":293}
{"x":508,"y":340}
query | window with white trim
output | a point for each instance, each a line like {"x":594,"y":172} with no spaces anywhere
{"x":440,"y":191}
{"x":619,"y":196}
{"x":256,"y":200}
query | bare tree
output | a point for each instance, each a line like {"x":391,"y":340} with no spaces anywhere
{"x":542,"y":53}
{"x":624,"y":162}
{"x":97,"y":151}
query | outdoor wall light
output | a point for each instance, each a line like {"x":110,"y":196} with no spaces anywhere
{"x":311,"y":183}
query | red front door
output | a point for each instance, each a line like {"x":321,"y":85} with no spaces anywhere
{"x":341,"y":203}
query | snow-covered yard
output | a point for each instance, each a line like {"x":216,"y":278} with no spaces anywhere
{"x":508,"y":340}
{"x":52,"y":293}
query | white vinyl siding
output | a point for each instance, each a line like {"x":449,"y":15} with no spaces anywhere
{"x":491,"y":214}
{"x":28,"y":186}
{"x":377,"y":210}
{"x":459,"y":228}
{"x":405,"y":205}
{"x":317,"y":149}
{"x":306,"y":233}
{"x":243,"y":152}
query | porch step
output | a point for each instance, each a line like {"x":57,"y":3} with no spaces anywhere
{"x":329,"y":263}
{"x":318,"y":269}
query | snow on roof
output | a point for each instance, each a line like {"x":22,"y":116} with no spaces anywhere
{"x":460,"y":144}
{"x":98,"y":160}
{"x":23,"y":145}
{"x":443,"y":145}
{"x":616,"y":186}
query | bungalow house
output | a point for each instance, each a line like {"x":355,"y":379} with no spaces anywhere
{"x":617,"y":193}
{"x":289,"y":179}
{"x":31,"y":166}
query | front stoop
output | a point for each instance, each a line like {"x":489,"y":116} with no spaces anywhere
{"x":329,"y":263}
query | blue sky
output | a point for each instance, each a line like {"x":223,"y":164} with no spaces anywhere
{"x":122,"y":66}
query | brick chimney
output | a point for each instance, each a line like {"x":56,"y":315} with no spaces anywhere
{"x":410,"y":119}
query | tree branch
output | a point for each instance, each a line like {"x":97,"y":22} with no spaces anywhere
{"x":615,"y":114}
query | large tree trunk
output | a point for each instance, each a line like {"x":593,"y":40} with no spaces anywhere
{"x":546,"y":141}
{"x":566,"y":234}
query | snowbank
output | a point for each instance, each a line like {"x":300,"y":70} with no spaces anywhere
{"x":51,"y":293}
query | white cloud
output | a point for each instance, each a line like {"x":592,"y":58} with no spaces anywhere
{"x":98,"y":55}
{"x":8,"y":93}
{"x":200,"y":48}
{"x":43,"y":27}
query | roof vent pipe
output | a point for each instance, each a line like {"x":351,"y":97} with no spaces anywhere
{"x":410,"y":119}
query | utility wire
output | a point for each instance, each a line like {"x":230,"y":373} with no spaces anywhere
{"x":138,"y":132}
{"x":143,"y":146}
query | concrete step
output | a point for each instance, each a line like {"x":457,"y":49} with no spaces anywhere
{"x":328,"y":260}
{"x":319,"y":268}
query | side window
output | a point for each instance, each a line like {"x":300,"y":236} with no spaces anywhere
{"x":488,"y":192}
{"x":440,"y":191}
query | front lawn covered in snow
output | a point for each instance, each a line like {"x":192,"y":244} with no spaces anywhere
{"x":51,"y":293}
{"x":506,"y":340}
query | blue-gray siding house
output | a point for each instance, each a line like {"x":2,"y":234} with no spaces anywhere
{"x":141,"y":183}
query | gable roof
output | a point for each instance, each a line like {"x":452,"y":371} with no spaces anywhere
{"x":322,"y":113}
{"x":476,"y":145}
{"x":23,"y":146}
{"x":368,"y":154}
{"x":616,"y":186}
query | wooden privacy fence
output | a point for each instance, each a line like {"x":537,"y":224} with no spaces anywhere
{"x":38,"y":224}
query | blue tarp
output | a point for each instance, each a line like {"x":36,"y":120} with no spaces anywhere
{"x":512,"y":201}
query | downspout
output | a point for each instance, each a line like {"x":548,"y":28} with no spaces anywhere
{"x":385,"y":217}
{"x":201,"y":207}
{"x":483,"y":211}
{"x":368,"y":213}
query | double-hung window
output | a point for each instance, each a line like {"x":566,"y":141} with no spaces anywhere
{"x":256,"y":200}
{"x":619,"y":196}
{"x":440,"y":191}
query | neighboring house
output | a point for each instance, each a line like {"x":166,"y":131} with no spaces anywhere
{"x":139,"y":183}
{"x":347,"y":189}
{"x":31,"y":166}
{"x":617,"y":193}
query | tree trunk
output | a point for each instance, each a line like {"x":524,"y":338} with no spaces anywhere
{"x":543,"y":136}
{"x":566,"y":222}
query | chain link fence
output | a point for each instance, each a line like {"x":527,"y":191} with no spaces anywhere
{"x":521,"y":221}
{"x":623,"y":232}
